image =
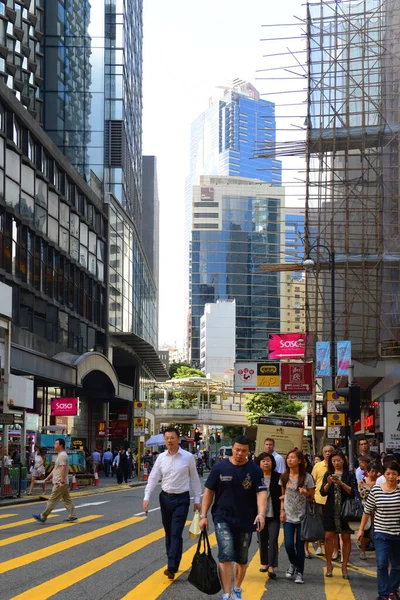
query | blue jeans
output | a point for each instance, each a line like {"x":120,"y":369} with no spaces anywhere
{"x":174,"y":511}
{"x":294,"y":545}
{"x":387,"y":549}
{"x":107,"y":467}
{"x":233,"y":544}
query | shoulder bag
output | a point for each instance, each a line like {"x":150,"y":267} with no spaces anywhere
{"x":204,"y":572}
{"x":311,"y":524}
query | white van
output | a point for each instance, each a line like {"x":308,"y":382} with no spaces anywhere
{"x":224,"y":452}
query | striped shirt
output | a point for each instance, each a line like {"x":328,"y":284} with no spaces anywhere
{"x":386,"y":507}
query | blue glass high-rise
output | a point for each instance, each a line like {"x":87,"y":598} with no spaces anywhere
{"x":225,"y":247}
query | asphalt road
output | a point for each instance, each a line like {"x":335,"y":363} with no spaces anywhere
{"x":114,"y":552}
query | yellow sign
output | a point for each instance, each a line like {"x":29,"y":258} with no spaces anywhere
{"x":139,"y":405}
{"x":331,"y":396}
{"x":268,"y":381}
{"x":138,"y":422}
{"x":335,"y":419}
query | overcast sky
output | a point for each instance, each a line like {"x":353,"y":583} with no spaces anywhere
{"x":189,"y":48}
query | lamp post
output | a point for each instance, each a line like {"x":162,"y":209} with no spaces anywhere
{"x":309,"y":264}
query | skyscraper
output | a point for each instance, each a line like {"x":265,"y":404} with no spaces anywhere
{"x":233,"y":218}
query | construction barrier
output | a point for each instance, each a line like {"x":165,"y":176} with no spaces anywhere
{"x":145,"y":473}
{"x":96,"y":477}
{"x":74,"y":485}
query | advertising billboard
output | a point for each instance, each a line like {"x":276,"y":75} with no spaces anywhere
{"x":296,"y":377}
{"x":286,"y":431}
{"x":64,"y":407}
{"x":257,"y":377}
{"x":286,"y":345}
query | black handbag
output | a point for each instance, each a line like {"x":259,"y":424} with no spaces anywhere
{"x":352,"y":508}
{"x":204,"y":572}
{"x":311,"y":525}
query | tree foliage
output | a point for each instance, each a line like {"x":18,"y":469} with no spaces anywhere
{"x":231,"y":432}
{"x":184,"y":371}
{"x":184,"y":428}
{"x":265,"y":403}
{"x":173,"y":367}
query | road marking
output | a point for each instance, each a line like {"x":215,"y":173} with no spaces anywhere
{"x":350,"y":566}
{"x":336,"y":587}
{"x":24,"y":522}
{"x":254,"y":584}
{"x":84,"y":505}
{"x":152,"y":587}
{"x":53,"y":586}
{"x":7,"y":516}
{"x":149,"y":511}
{"x":25,"y":536}
{"x":26,"y":559}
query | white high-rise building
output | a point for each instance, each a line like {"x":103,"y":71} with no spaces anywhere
{"x":218,"y":337}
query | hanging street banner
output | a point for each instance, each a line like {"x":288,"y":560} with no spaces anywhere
{"x":257,"y":377}
{"x":296,"y":377}
{"x":343,"y":351}
{"x":323,"y":359}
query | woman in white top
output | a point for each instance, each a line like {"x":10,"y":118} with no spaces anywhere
{"x":38,"y":471}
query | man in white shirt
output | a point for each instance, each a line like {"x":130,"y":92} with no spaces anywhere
{"x":269,"y":445}
{"x":177,"y":470}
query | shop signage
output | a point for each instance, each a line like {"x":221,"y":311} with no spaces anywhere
{"x":286,"y":345}
{"x":369,"y":422}
{"x":296,"y":377}
{"x":7,"y":419}
{"x":300,"y":397}
{"x":78,"y":443}
{"x":101,"y":428}
{"x":257,"y":377}
{"x":64,"y":407}
{"x":319,"y":420}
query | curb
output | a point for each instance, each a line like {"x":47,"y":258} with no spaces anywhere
{"x":81,"y":493}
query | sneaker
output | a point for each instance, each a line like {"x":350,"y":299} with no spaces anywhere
{"x":318,"y":551}
{"x":290,"y":571}
{"x":299,"y":578}
{"x":39,"y":518}
{"x":237,"y":594}
{"x":363,"y":556}
{"x":70,"y":520}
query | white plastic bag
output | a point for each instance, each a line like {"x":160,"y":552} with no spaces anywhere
{"x":194,"y":529}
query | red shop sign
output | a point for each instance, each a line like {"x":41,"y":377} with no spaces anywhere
{"x":369,"y":422}
{"x":296,"y":377}
{"x":286,"y":345}
{"x":101,"y":428}
{"x":64,"y":407}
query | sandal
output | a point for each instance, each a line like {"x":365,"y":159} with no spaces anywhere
{"x":272,"y":574}
{"x":263,"y":569}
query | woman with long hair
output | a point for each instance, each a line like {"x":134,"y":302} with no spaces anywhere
{"x":298,"y":488}
{"x":338,"y":484}
{"x":364,"y":488}
{"x":268,"y":537}
{"x":384,"y":503}
{"x":38,"y":471}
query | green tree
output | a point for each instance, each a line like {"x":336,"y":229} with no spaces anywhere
{"x":184,"y":371}
{"x":184,"y":428}
{"x":231,"y":432}
{"x":173,"y":367}
{"x":269,"y":402}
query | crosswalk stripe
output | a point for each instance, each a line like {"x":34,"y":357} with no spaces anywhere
{"x":25,"y":536}
{"x":351,"y":567}
{"x":30,"y":521}
{"x":152,"y":587}
{"x":336,"y":587}
{"x":8,"y":516}
{"x":62,"y":582}
{"x":254,"y":585}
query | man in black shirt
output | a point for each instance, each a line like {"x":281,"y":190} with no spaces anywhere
{"x":240,"y":503}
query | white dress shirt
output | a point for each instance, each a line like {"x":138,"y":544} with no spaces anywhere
{"x":280,"y":463}
{"x":178,"y":474}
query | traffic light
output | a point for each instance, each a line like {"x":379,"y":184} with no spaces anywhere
{"x":353,"y":406}
{"x":218,"y":437}
{"x":197,"y":435}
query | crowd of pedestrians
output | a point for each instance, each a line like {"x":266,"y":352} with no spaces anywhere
{"x":273,"y":493}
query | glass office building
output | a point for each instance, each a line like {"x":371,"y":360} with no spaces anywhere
{"x":92,"y":91}
{"x":227,"y":239}
{"x":236,"y":230}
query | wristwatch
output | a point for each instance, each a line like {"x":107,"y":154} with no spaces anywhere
{"x":203,"y":516}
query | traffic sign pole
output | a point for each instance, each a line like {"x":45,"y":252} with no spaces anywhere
{"x":5,"y":323}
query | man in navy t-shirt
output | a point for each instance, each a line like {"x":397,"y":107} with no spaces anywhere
{"x":240,"y":505}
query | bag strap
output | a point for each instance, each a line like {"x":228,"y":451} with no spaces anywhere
{"x":204,"y":539}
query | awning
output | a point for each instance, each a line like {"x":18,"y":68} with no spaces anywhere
{"x":146,"y":353}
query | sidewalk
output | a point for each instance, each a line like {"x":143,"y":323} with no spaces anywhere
{"x":107,"y":484}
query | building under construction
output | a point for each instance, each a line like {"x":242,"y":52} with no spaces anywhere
{"x":353,"y":172}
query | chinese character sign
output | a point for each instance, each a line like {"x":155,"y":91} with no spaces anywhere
{"x":323,"y":359}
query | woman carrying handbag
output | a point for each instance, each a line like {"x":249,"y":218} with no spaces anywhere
{"x":268,"y":537}
{"x":338,"y":485}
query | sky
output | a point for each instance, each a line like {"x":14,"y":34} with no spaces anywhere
{"x":190,"y":47}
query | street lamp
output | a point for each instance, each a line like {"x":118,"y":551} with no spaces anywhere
{"x":309,"y":264}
